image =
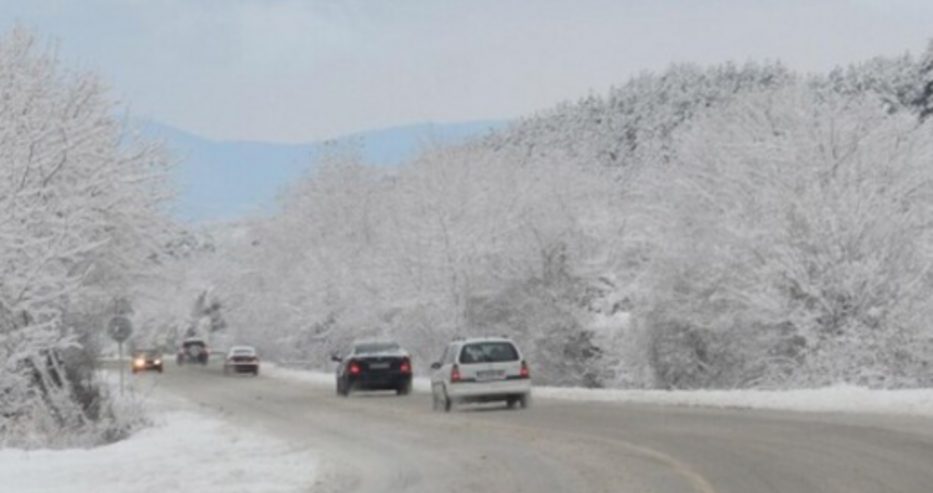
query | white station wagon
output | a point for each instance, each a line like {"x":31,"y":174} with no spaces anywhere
{"x":481,"y":369}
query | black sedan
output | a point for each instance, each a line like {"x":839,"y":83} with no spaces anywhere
{"x":374,"y":366}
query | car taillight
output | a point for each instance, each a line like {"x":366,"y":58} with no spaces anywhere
{"x":455,"y":374}
{"x":354,"y":368}
{"x":524,"y":372}
{"x":406,"y":366}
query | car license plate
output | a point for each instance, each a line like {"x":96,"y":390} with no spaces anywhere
{"x":486,"y":375}
{"x":378,"y":366}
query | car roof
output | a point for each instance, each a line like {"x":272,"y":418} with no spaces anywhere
{"x":392,"y":347}
{"x":375,"y":341}
{"x":242,"y":348}
{"x":194,"y":339}
{"x":467,"y":340}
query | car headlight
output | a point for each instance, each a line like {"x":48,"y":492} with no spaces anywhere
{"x":157,"y":362}
{"x":140,"y":362}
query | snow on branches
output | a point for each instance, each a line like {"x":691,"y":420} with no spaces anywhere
{"x":796,"y":223}
{"x":702,"y":227}
{"x":79,"y":217}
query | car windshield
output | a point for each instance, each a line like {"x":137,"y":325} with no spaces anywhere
{"x":193,"y":343}
{"x":243,"y":352}
{"x":376,"y":347}
{"x":488,"y":352}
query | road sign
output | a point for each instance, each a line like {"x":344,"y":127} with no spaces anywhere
{"x":120,"y":328}
{"x":122,"y":306}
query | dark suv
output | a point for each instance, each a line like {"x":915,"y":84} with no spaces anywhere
{"x":374,"y":366}
{"x":192,"y":350}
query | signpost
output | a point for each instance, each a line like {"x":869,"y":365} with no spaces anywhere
{"x":120,"y":329}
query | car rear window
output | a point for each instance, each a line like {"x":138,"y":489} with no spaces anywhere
{"x":488,"y":352}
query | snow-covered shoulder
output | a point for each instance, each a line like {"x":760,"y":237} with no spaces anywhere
{"x":183,"y":451}
{"x":837,"y":399}
{"x":315,"y":377}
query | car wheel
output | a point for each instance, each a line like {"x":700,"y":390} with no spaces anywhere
{"x":226,"y":370}
{"x":448,"y":404}
{"x":342,"y":388}
{"x":510,"y":402}
{"x":403,"y":389}
{"x":524,"y":401}
{"x":435,"y":400}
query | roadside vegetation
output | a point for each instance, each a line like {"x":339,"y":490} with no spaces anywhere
{"x":721,"y":227}
{"x":81,"y":224}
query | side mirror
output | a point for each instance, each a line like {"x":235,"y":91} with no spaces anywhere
{"x":336,"y":358}
{"x":436,"y":365}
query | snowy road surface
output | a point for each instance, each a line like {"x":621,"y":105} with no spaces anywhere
{"x":384,"y":443}
{"x":183,"y":450}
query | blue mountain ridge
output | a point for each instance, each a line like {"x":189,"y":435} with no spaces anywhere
{"x":227,"y":180}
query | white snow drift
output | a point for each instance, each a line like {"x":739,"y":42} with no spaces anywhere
{"x":185,"y":451}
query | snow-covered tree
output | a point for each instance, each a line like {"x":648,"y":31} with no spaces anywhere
{"x":792,"y":242}
{"x":923,"y":95}
{"x":80,"y":221}
{"x":668,"y":233}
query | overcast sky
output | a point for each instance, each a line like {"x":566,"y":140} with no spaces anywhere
{"x":283,"y":70}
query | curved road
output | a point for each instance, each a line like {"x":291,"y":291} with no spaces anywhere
{"x":383,"y":443}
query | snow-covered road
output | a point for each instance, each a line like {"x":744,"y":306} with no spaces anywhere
{"x":384,"y":443}
{"x":185,"y":449}
{"x":845,"y":399}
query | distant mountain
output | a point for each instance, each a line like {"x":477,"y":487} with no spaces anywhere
{"x":226,"y":180}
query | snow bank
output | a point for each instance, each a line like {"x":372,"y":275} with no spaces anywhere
{"x":184,"y":451}
{"x":839,"y":399}
{"x":299,"y":375}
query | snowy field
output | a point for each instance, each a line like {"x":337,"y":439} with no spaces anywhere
{"x":839,"y":399}
{"x":184,"y":451}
